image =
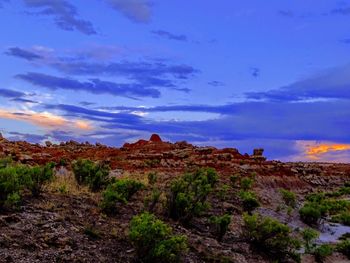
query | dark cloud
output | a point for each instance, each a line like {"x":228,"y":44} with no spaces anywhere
{"x":7,"y":93}
{"x":345,"y":41}
{"x":33,"y":138}
{"x":330,"y":84}
{"x":22,"y":53}
{"x":23,"y":100}
{"x":168,"y":35}
{"x":86,"y":103}
{"x":345,"y":11}
{"x":286,"y":13}
{"x":138,"y":11}
{"x":255,"y":72}
{"x":64,"y":13}
{"x":95,"y":86}
{"x":216,"y":83}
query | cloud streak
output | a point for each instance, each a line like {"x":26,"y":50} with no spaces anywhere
{"x":170,"y":36}
{"x":138,"y":11}
{"x":64,"y":13}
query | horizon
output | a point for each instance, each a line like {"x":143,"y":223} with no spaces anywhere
{"x":238,"y":75}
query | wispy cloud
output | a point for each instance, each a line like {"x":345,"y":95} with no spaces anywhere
{"x":95,"y":86}
{"x":139,"y":11}
{"x":45,"y":119}
{"x":64,"y":13}
{"x":22,"y":53}
{"x":216,"y":83}
{"x":170,"y":36}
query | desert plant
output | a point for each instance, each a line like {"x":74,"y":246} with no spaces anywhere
{"x":288,"y":197}
{"x":249,"y":201}
{"x":188,"y":194}
{"x":343,"y":218}
{"x":309,"y":236}
{"x":222,"y":192}
{"x":152,"y":200}
{"x":154,"y":241}
{"x":234,"y":180}
{"x":119,"y":192}
{"x":310,"y":214}
{"x":344,"y":248}
{"x":247,"y":183}
{"x":152,"y":178}
{"x":270,"y":236}
{"x":322,"y":252}
{"x":221,"y":224}
{"x":95,"y":175}
{"x":39,"y":175}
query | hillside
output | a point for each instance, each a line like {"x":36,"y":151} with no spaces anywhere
{"x":66,"y":222}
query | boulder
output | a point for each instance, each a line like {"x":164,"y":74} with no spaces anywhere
{"x":155,"y":138}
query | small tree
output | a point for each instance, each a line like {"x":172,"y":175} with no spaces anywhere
{"x":288,"y":197}
{"x":249,"y":201}
{"x":309,"y":236}
{"x":221,"y":224}
{"x":271,"y":236}
{"x":188,"y":194}
{"x":119,"y":192}
{"x":322,"y":252}
{"x":154,"y":241}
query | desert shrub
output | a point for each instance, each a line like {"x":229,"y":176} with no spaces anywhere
{"x":309,"y":236}
{"x":152,"y":163}
{"x":271,"y":236}
{"x":221,"y":224}
{"x":343,"y":218}
{"x":154,"y":241}
{"x":152,"y":200}
{"x":4,"y":162}
{"x":310,"y":214}
{"x":14,"y":179}
{"x":234,"y":180}
{"x":152,"y":178}
{"x":95,"y":175}
{"x":39,"y":175}
{"x":222,"y":192}
{"x":288,"y":197}
{"x":247,"y":183}
{"x":344,"y":248}
{"x":92,"y":233}
{"x":249,"y":201}
{"x":188,"y":194}
{"x":119,"y":192}
{"x":322,"y":252}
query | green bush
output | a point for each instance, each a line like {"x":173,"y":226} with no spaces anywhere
{"x":344,"y":248}
{"x":247,"y":183}
{"x":152,"y":178}
{"x":310,"y":214}
{"x":39,"y":175}
{"x":222,"y":192}
{"x":95,"y":175}
{"x":221,"y":224}
{"x":152,"y":200}
{"x":309,"y":236}
{"x":343,"y":218}
{"x":188,"y":194}
{"x":154,"y":241}
{"x":119,"y":192}
{"x":322,"y":252}
{"x":249,"y":201}
{"x":15,"y":179}
{"x":288,"y":197}
{"x":271,"y":237}
{"x":234,"y":180}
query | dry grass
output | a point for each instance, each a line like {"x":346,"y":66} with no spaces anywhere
{"x":65,"y":183}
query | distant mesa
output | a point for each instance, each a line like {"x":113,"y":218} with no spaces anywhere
{"x":155,"y":138}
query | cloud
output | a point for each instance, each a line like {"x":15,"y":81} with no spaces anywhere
{"x":255,"y":72}
{"x":345,"y":41}
{"x":64,"y":13}
{"x":7,"y":93}
{"x":45,"y":119}
{"x":22,"y":53}
{"x":320,"y":151}
{"x":94,"y":86}
{"x":168,"y":35}
{"x":345,"y":11}
{"x":138,"y":11}
{"x":216,"y":83}
{"x":144,"y":73}
{"x":330,"y":84}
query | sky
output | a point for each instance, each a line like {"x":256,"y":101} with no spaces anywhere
{"x":241,"y":74}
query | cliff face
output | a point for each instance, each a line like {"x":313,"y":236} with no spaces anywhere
{"x":175,"y":158}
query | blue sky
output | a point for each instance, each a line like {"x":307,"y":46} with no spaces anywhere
{"x":244,"y":74}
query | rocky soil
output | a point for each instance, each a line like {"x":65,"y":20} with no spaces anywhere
{"x":69,"y":226}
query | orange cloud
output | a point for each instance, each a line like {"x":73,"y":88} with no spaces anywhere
{"x":45,"y":119}
{"x":322,"y":151}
